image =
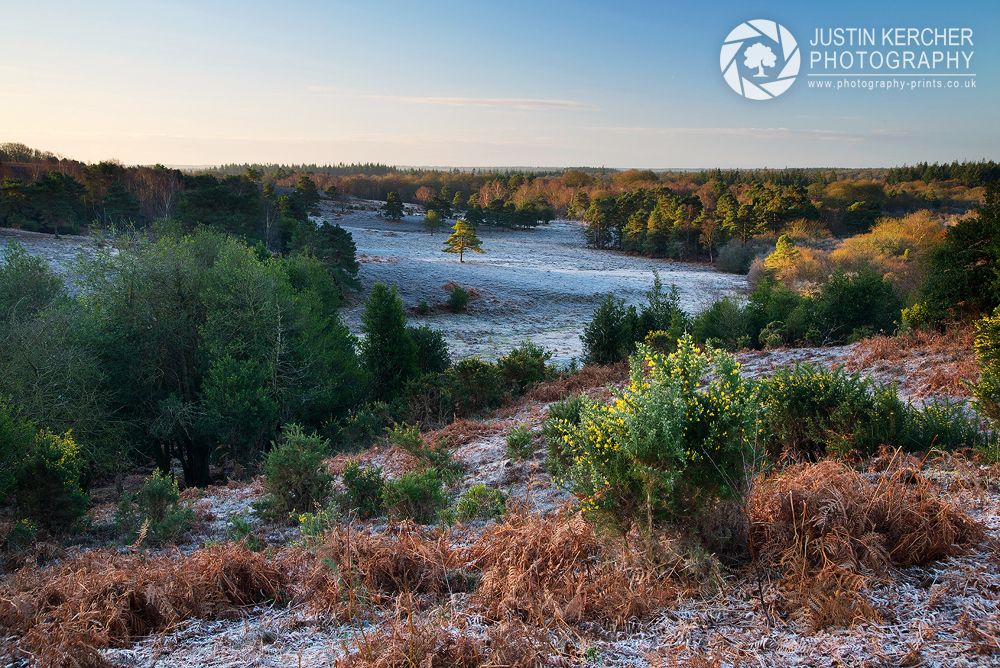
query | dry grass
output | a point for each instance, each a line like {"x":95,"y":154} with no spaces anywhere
{"x":462,"y":432}
{"x":409,"y":639}
{"x":394,"y":460}
{"x":473,"y":293}
{"x":832,"y":530}
{"x":63,"y":613}
{"x":543,"y":569}
{"x":588,"y":378}
{"x":956,"y":341}
{"x":397,"y":560}
{"x":929,"y":362}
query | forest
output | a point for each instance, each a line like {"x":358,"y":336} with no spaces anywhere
{"x":200,"y":351}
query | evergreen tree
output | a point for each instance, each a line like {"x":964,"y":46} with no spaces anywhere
{"x":388,"y":350}
{"x":393,"y":207}
{"x":432,"y":221}
{"x":463,"y":239}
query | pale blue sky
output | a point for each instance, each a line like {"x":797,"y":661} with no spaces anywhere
{"x":624,"y":84}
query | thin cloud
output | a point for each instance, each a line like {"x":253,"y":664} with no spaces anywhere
{"x":504,"y":103}
{"x":757,"y":133}
{"x":529,"y":104}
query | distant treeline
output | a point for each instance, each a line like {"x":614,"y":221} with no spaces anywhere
{"x":276,"y":171}
{"x":281,"y":171}
{"x":39,"y":190}
{"x":972,"y":174}
{"x":783,"y":177}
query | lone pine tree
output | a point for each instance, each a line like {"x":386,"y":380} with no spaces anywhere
{"x":463,"y":239}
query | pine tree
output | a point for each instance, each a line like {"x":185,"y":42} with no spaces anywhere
{"x":393,"y":207}
{"x":432,"y":221}
{"x":388,"y":350}
{"x":463,"y":239}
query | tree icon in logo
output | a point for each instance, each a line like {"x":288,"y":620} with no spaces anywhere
{"x":758,"y":56}
{"x":770,"y":45}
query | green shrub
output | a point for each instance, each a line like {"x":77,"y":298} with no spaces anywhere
{"x":364,"y":488}
{"x":661,"y":312}
{"x":852,"y":302}
{"x":27,"y":284}
{"x":475,"y":385}
{"x":735,"y":257}
{"x":155,"y":513}
{"x":458,"y":300}
{"x":944,"y":426}
{"x":608,"y":337}
{"x":478,"y":502}
{"x":365,"y":423}
{"x":435,"y":455}
{"x":564,"y":416}
{"x":810,"y":411}
{"x":241,"y":530}
{"x":986,"y":392}
{"x":772,"y":336}
{"x":21,"y":536}
{"x":961,"y":279}
{"x":523,"y":367}
{"x":665,"y":446}
{"x":614,"y":330}
{"x":388,"y":351}
{"x":432,"y":351}
{"x":519,"y":442}
{"x":294,"y":472}
{"x":430,"y":400}
{"x":417,"y":495}
{"x":726,"y":321}
{"x":313,"y":527}
{"x":47,"y":482}
{"x":16,"y":436}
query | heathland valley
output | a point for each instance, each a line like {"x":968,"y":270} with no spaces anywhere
{"x":372,"y":416}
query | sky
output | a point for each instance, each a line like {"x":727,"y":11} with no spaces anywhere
{"x":624,"y":84}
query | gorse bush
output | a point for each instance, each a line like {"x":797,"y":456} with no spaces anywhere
{"x":519,"y":442}
{"x":47,"y":482}
{"x":42,"y":471}
{"x":473,"y":385}
{"x":846,"y":307}
{"x":418,"y":495}
{"x":363,"y":488}
{"x":294,"y":472}
{"x":15,"y":436}
{"x":155,"y":513}
{"x":944,"y":426}
{"x":809,"y":411}
{"x":986,"y":392}
{"x":849,"y":302}
{"x":435,"y":455}
{"x":564,"y":416}
{"x":666,"y":446}
{"x":478,"y":502}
